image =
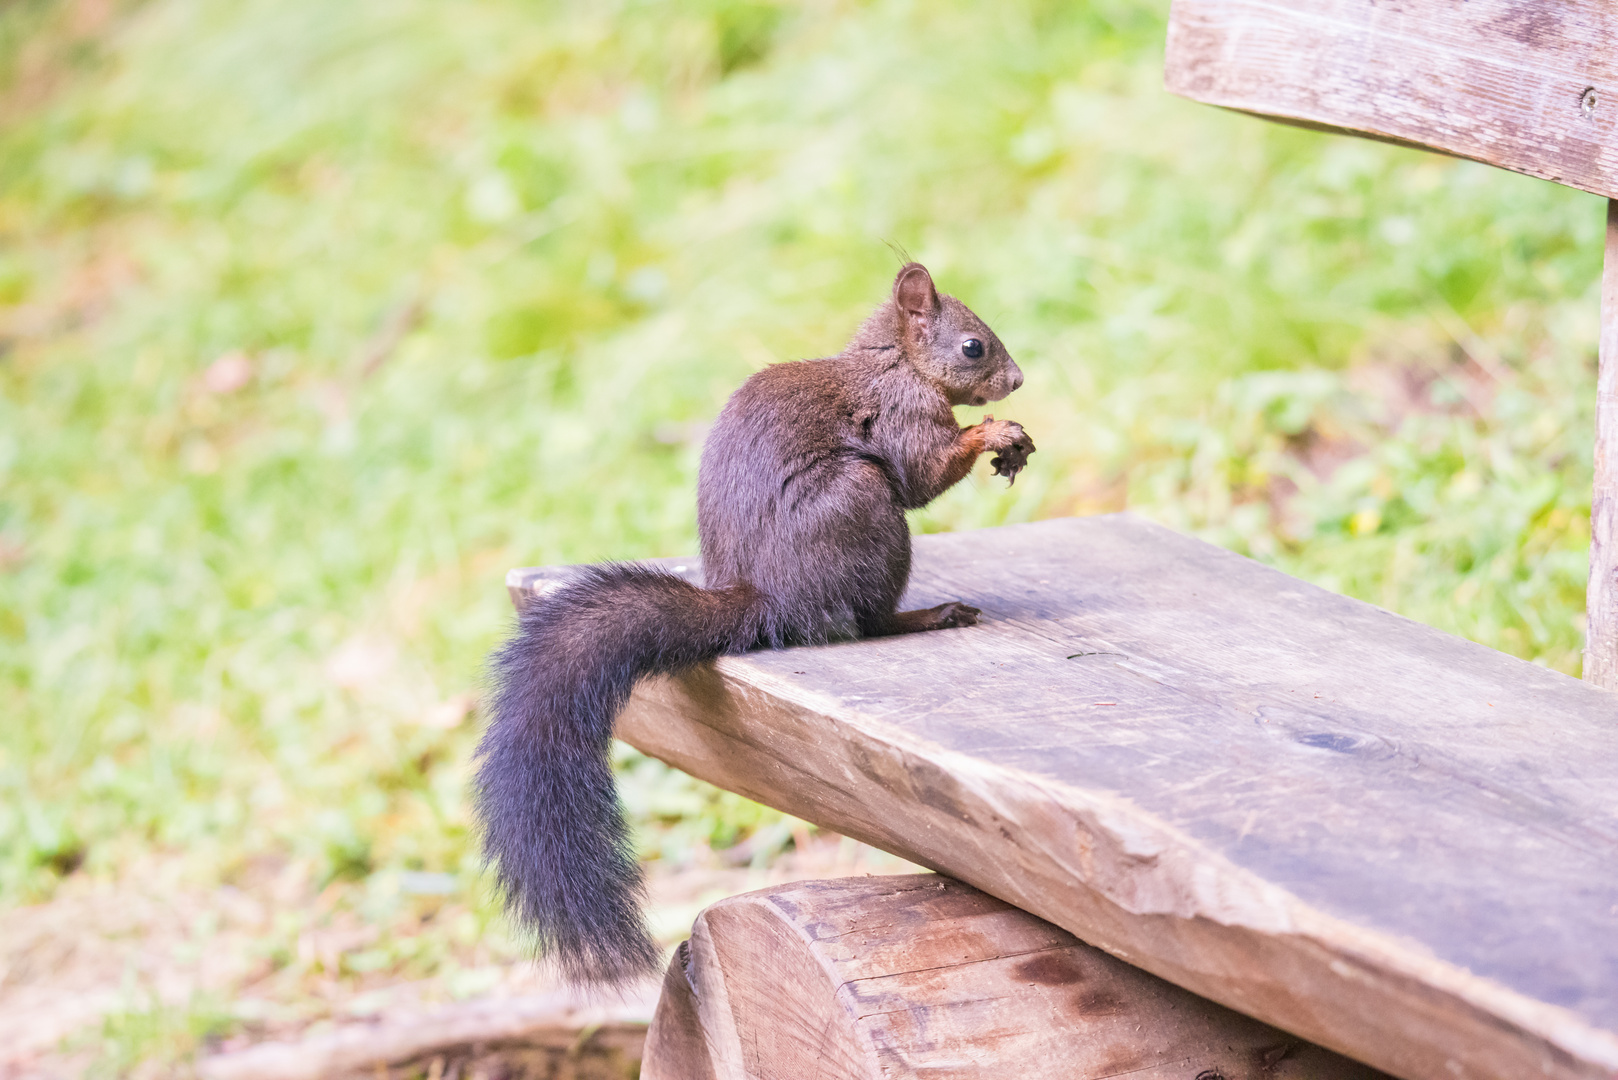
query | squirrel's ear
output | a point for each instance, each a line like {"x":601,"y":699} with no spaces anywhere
{"x":913,"y":291}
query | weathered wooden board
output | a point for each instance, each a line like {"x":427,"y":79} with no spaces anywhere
{"x":1381,"y":838}
{"x":1528,"y":85}
{"x":1601,"y":602}
{"x":883,"y":978}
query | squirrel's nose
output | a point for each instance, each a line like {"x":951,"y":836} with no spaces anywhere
{"x":1016,"y":376}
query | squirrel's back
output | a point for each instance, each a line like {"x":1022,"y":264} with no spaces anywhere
{"x":794,"y":500}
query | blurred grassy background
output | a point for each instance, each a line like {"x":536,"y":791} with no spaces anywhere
{"x":314,"y":318}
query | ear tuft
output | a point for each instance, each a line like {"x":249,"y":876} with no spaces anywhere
{"x":913,"y":291}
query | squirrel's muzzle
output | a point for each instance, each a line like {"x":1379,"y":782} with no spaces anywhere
{"x":1001,"y":383}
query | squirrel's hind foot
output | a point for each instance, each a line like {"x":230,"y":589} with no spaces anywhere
{"x":943,"y":617}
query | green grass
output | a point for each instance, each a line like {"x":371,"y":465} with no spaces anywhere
{"x":225,"y":614}
{"x":150,"y":1031}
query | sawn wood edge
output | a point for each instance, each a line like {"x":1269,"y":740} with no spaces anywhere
{"x":1112,"y":874}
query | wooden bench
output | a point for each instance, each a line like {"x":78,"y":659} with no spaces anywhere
{"x":1398,"y":844}
{"x":1386,"y":840}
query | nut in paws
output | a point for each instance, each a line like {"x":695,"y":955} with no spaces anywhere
{"x":1010,"y":461}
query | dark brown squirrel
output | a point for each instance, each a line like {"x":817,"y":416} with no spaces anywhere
{"x":801,"y":500}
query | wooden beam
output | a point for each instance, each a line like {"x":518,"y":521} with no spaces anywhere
{"x":1528,"y":85}
{"x":921,"y":976}
{"x":1381,"y":838}
{"x":1601,"y":606}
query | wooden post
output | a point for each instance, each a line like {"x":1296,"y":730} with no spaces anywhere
{"x":1601,"y":603}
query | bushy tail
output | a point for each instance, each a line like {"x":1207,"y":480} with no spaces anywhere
{"x":553,"y":830}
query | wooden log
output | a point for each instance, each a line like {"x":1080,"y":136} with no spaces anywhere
{"x":921,"y":976}
{"x":1379,"y":837}
{"x":1525,"y":85}
{"x":676,"y":1048}
{"x":555,"y":1035}
{"x":1601,"y":606}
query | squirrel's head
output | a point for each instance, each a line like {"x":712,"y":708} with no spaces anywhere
{"x":949,"y":345}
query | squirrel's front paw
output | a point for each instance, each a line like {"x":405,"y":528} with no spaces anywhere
{"x":1013,"y":444}
{"x":1001,"y":434}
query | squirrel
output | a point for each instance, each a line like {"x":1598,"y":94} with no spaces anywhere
{"x":801,"y":498}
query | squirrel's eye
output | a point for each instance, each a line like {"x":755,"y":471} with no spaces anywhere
{"x":972,"y":347}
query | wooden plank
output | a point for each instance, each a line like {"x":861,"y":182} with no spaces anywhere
{"x":1384,"y":839}
{"x":922,"y":976}
{"x":1601,"y":605}
{"x":1528,"y":85}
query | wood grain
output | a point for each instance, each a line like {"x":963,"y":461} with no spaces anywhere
{"x":1528,"y":85}
{"x":1381,"y":838}
{"x":922,"y":976}
{"x":1601,"y":604}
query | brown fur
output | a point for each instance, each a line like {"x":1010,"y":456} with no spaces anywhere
{"x":801,"y":504}
{"x":808,"y":473}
